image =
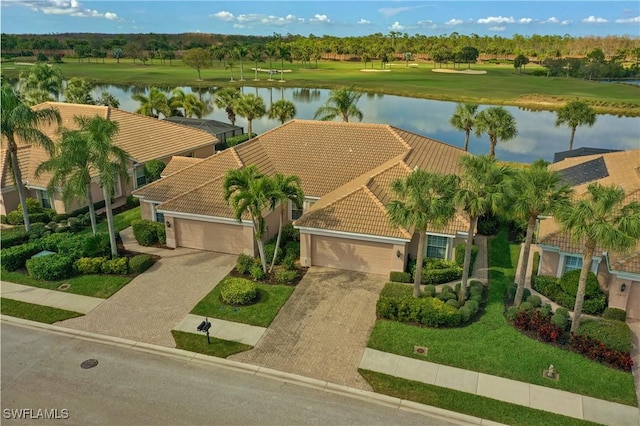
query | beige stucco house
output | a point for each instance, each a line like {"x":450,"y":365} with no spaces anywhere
{"x":618,"y":273}
{"x":345,"y":170}
{"x":144,"y":138}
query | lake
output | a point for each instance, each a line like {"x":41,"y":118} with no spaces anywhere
{"x":537,"y":135}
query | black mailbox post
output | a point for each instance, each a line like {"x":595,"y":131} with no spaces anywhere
{"x":204,"y":327}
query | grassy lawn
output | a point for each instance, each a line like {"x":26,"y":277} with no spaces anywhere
{"x":103,"y":286}
{"x":198,"y":343}
{"x":501,"y":85}
{"x":121,"y":221}
{"x":272,"y":298}
{"x":29,"y":311}
{"x":492,"y":346}
{"x":466,"y":403}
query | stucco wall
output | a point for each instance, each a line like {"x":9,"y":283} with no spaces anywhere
{"x":9,"y":201}
{"x":146,"y":210}
{"x":549,"y":263}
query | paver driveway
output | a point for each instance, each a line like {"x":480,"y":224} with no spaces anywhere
{"x":151,"y":305}
{"x":323,"y":329}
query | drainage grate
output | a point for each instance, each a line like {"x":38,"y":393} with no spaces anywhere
{"x":64,"y":286}
{"x":420,"y":350}
{"x":90,"y":363}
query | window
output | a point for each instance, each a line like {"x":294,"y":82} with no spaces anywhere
{"x":571,"y":263}
{"x":141,"y":179}
{"x":437,"y":246}
{"x":296,"y":213}
{"x":159,"y":217}
{"x":43,"y":196}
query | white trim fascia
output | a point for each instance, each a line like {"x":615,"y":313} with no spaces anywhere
{"x":459,"y":234}
{"x":351,"y":235}
{"x":6,"y":189}
{"x":623,"y":275}
{"x":39,"y":188}
{"x":311,"y":198}
{"x":203,"y":218}
{"x":552,"y":249}
{"x":144,"y":200}
{"x":441,"y":235}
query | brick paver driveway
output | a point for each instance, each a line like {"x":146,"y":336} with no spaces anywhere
{"x":323,"y":329}
{"x":150,"y":306}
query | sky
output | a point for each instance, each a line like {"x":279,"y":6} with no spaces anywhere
{"x":337,"y":18}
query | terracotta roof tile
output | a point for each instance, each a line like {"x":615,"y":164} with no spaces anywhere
{"x":177,"y":163}
{"x":24,"y":152}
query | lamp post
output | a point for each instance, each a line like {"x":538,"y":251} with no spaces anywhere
{"x":205,"y":326}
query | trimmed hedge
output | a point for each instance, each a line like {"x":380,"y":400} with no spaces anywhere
{"x":235,"y":140}
{"x":119,"y":266}
{"x":550,"y":287}
{"x":400,"y":277}
{"x":615,"y":314}
{"x":284,"y":276}
{"x":89,"y":265}
{"x":15,"y":257}
{"x":148,"y":232}
{"x":13,"y":237}
{"x":569,"y":283}
{"x":438,"y":271}
{"x":51,"y":267}
{"x":459,"y":255}
{"x":615,"y":334}
{"x":238,"y":291}
{"x":244,"y":263}
{"x":140,"y":263}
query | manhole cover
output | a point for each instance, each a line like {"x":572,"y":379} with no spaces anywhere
{"x":90,"y":363}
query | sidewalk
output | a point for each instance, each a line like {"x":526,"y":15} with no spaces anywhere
{"x":227,"y":330}
{"x":52,"y":298}
{"x":528,"y":395}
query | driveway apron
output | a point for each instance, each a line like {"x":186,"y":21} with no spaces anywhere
{"x":323,"y":329}
{"x":150,"y":306}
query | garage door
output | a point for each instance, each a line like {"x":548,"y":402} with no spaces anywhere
{"x":221,"y":237}
{"x":353,"y":255}
{"x":633,"y":302}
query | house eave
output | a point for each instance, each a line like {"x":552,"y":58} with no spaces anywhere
{"x":351,"y":235}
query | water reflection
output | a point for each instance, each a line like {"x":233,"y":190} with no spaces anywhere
{"x":538,"y":137}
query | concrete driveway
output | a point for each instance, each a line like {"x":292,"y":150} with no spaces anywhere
{"x":323,"y":329}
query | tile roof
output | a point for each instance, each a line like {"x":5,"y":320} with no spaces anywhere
{"x":6,"y":173}
{"x":177,"y":163}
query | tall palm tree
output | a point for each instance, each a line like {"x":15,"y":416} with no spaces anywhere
{"x":108,"y":160}
{"x":154,"y":104}
{"x":601,"y":218}
{"x":423,"y":199}
{"x":185,"y":104}
{"x":20,"y":121}
{"x":256,"y":56}
{"x":284,"y":189}
{"x":250,"y":107}
{"x":247,"y":191}
{"x":481,"y":190}
{"x":271,"y":50}
{"x":282,"y":110}
{"x":464,"y":119}
{"x":283,"y":52}
{"x":241,"y":53}
{"x":498,"y":124}
{"x":573,"y":114}
{"x":533,"y":191}
{"x":341,"y":103}
{"x":226,"y":99}
{"x":41,"y":83}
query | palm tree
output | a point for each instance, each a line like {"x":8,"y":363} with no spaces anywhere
{"x":482,"y":190}
{"x":573,"y":114}
{"x":186,"y":105}
{"x":108,"y":160}
{"x":423,"y":199}
{"x":534,"y":191}
{"x":247,"y":191}
{"x":271,"y":50}
{"x":241,"y":53}
{"x":464,"y":119}
{"x":250,"y":107}
{"x":284,"y":52}
{"x":20,"y":121}
{"x":284,"y":189}
{"x":226,"y":99}
{"x":39,"y":82}
{"x":341,"y":103}
{"x":256,"y":56}
{"x":601,"y":218}
{"x":282,"y":110}
{"x":498,"y":124}
{"x":154,"y":104}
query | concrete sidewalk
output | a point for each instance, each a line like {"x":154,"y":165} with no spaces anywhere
{"x":528,"y":395}
{"x":55,"y":299}
{"x":227,"y":330}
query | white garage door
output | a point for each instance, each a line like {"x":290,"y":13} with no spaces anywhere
{"x":633,"y":302}
{"x":353,"y":255}
{"x":221,"y":237}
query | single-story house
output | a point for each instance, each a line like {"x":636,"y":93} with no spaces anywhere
{"x":618,"y":273}
{"x":219,"y":129}
{"x":143,"y":138}
{"x":345,"y":170}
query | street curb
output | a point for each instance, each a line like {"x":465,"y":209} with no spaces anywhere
{"x":191,"y":357}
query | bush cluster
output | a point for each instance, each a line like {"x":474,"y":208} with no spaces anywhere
{"x":140,"y":263}
{"x":534,"y":321}
{"x":615,"y":334}
{"x":119,"y":266}
{"x":89,"y":265}
{"x":600,"y":352}
{"x":238,"y":291}
{"x":269,"y":250}
{"x":595,"y":300}
{"x":50,"y":267}
{"x":148,"y":232}
{"x":615,"y":314}
{"x":459,"y":255}
{"x":13,"y":237}
{"x":235,"y":140}
{"x":37,"y":214}
{"x":400,"y":277}
{"x":284,"y":276}
{"x":14,"y":258}
{"x":244,"y":263}
{"x":438,"y":271}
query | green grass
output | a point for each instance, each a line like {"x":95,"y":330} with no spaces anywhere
{"x":466,"y":403}
{"x":492,"y":346}
{"x":501,"y":85}
{"x":272,"y":298}
{"x":120,"y":221}
{"x":103,"y":286}
{"x":39,"y":313}
{"x":198,"y":343}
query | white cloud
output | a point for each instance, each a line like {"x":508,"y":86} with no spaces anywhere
{"x":525,"y":20}
{"x":454,"y":22}
{"x":363,"y":21}
{"x":244,"y":21}
{"x":496,"y":20}
{"x":111,"y":16}
{"x":554,"y":20}
{"x":593,"y":20}
{"x":391,"y":11}
{"x":425,"y":22}
{"x":396,"y":26}
{"x":320,"y":18}
{"x":65,"y":7}
{"x":635,"y":20}
{"x":223,"y":15}
{"x":497,"y":29}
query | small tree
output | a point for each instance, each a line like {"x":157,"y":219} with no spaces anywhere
{"x":498,"y":123}
{"x":250,"y":107}
{"x":573,"y":114}
{"x":285,"y":189}
{"x":464,"y":118}
{"x":197,"y":58}
{"x":282,"y":110}
{"x":78,"y":91}
{"x":341,"y":103}
{"x":153,"y":169}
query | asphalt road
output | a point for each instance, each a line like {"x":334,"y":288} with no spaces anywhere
{"x":41,"y":371}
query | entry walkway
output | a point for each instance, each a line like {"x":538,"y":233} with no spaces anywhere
{"x":51,"y":298}
{"x":528,"y":395}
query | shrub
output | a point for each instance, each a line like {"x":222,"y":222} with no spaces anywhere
{"x":153,"y":169}
{"x":560,"y":321}
{"x":291,"y":234}
{"x":148,"y":232}
{"x":289,"y":262}
{"x":425,"y":310}
{"x":238,"y":291}
{"x":526,"y":293}
{"x":132,"y":201}
{"x":598,"y":351}
{"x":545,"y":309}
{"x":615,"y":334}
{"x":535,"y":300}
{"x":525,"y":306}
{"x":269,"y":250}
{"x":542,"y":282}
{"x":140,"y":263}
{"x":235,"y":140}
{"x":615,"y":314}
{"x":292,"y":248}
{"x":89,"y":265}
{"x":244,"y":263}
{"x":446,"y":289}
{"x":473,"y":306}
{"x":453,"y":302}
{"x":15,"y":257}
{"x":284,"y":276}
{"x":488,"y":225}
{"x":75,"y":224}
{"x":511,"y":292}
{"x":465,"y":314}
{"x":459,"y":255}
{"x":400,"y":277}
{"x":97,"y":245}
{"x":535,"y":265}
{"x":569,"y":283}
{"x":439,"y":276}
{"x":563,"y":311}
{"x":13,"y":237}
{"x":511,"y":313}
{"x":119,"y":266}
{"x":3,"y":218}
{"x":256,"y":271}
{"x":51,"y":267}
{"x":429,"y":290}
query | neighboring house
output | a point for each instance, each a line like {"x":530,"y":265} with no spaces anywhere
{"x":345,"y":171}
{"x":580,"y":152}
{"x":144,"y":138}
{"x":618,"y":273}
{"x":219,"y":129}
